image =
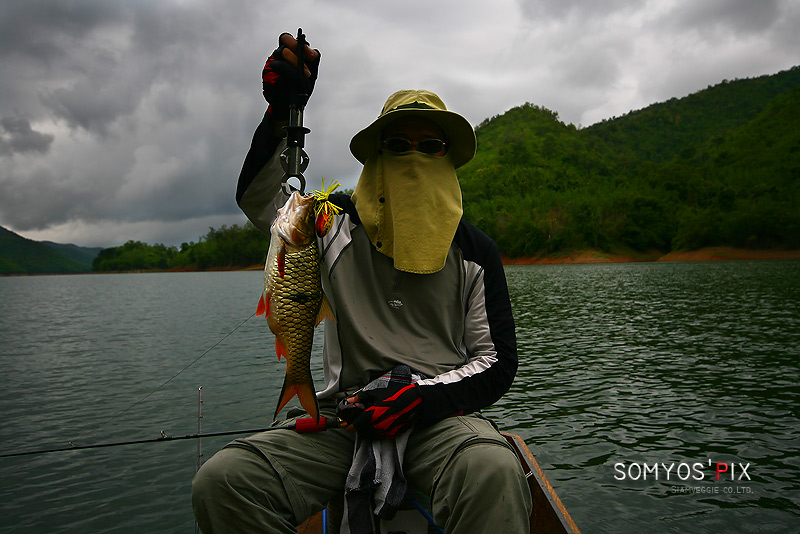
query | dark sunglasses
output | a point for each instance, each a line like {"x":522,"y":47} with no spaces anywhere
{"x":400,"y":144}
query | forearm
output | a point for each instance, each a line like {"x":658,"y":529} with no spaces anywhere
{"x":491,"y":342}
{"x":258,"y":192}
{"x":443,"y":398}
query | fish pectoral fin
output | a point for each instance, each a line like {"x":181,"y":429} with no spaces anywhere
{"x":325,"y":311}
{"x":282,"y":261}
{"x":263,"y":304}
{"x":305,"y":392}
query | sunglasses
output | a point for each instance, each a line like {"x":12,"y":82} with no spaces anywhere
{"x":400,"y":144}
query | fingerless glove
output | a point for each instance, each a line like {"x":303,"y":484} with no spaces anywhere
{"x":385,"y":412}
{"x":280,"y":80}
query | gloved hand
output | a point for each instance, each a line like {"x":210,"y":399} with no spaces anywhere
{"x":281,"y":77}
{"x":384,"y":412}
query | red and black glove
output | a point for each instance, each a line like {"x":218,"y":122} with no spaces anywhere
{"x":384,"y":412}
{"x":281,"y":79}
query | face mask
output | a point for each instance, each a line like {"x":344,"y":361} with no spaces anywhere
{"x":410,"y":206}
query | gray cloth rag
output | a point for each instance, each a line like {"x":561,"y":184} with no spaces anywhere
{"x":376,"y":485}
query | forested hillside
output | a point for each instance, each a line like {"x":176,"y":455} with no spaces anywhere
{"x":719,"y":167}
{"x":19,"y":255}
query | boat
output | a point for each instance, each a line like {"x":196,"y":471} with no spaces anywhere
{"x":548,"y":516}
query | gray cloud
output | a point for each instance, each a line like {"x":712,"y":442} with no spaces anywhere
{"x":740,"y":16}
{"x":94,"y":62}
{"x":137,"y":115}
{"x":538,"y":10}
{"x":46,"y":32}
{"x":18,"y":136}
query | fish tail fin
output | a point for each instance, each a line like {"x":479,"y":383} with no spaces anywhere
{"x":305,"y":392}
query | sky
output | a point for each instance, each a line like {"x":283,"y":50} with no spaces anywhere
{"x":130,"y":120}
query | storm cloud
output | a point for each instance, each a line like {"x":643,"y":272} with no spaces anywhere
{"x":130,"y":120}
{"x":18,"y":136}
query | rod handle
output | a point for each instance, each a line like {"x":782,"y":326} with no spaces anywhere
{"x":308,"y":425}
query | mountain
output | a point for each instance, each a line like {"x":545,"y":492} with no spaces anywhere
{"x":83,"y":255}
{"x":663,"y":130}
{"x":718,"y":167}
{"x":19,"y":255}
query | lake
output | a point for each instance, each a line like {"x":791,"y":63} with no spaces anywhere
{"x":660,"y":396}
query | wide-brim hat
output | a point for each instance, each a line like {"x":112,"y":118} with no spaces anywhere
{"x":461,"y":141}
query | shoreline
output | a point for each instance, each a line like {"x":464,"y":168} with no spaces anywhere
{"x":703,"y":254}
{"x":585,"y":256}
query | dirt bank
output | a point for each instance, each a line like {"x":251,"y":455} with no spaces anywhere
{"x":729,"y":253}
{"x":704,"y":254}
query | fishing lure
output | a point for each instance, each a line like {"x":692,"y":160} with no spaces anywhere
{"x":324,"y":209}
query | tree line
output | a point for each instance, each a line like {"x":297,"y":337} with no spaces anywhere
{"x":228,"y":247}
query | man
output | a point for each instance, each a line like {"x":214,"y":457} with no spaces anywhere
{"x":410,"y":283}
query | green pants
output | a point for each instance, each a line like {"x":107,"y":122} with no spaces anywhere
{"x":273,"y":481}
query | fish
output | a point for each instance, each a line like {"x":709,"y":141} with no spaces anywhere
{"x":292,"y":299}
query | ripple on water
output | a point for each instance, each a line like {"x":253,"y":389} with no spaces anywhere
{"x":653,"y":363}
{"x":618,"y":363}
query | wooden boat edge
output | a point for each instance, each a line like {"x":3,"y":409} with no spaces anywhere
{"x":549,"y":514}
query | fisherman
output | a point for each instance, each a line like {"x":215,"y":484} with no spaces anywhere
{"x":410,"y":282}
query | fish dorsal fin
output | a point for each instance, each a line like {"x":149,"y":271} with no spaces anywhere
{"x":325,"y":311}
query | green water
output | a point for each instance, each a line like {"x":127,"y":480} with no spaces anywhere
{"x":622,"y":367}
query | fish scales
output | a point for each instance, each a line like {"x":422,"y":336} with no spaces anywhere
{"x":297,"y":297}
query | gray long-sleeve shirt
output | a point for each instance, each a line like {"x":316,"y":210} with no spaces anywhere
{"x":454,"y":326}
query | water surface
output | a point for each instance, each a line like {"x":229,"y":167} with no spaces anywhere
{"x":622,"y":364}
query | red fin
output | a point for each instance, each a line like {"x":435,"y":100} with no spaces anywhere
{"x":282,"y":262}
{"x":280,"y":348}
{"x":262,"y":306}
{"x":304,"y":392}
{"x":308,"y":400}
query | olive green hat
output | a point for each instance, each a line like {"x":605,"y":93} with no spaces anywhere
{"x":410,"y":102}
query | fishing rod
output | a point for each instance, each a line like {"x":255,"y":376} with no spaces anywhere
{"x":294,"y":159}
{"x":301,"y":426}
{"x":199,"y":427}
{"x":199,"y":441}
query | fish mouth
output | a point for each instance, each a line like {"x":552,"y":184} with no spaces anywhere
{"x":294,"y":237}
{"x":295,"y":221}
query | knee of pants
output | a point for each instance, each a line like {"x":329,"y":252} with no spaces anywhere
{"x":480,"y":473}
{"x":484,"y":466}
{"x":231,"y":479}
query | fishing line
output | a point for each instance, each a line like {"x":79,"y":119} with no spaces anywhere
{"x":129,"y":408}
{"x":161,"y":438}
{"x":301,"y":426}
